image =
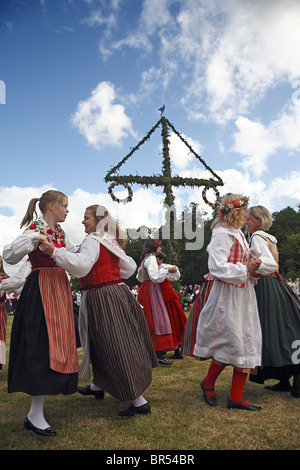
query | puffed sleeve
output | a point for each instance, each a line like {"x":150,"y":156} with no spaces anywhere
{"x":171,"y":276}
{"x":218,"y":254}
{"x":155,"y":274}
{"x":259,"y":247}
{"x":15,"y":283}
{"x":21,"y":246}
{"x":127,"y":267}
{"x":70,"y":247}
{"x":78,"y":264}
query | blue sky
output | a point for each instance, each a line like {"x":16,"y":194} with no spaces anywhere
{"x":84,"y":80}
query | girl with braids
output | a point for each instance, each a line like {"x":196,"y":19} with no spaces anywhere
{"x":43,"y":355}
{"x":113,"y":331}
{"x":228,"y":329}
{"x":151,"y":298}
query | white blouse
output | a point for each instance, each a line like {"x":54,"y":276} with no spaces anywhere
{"x":79,"y":264}
{"x":219,"y":251}
{"x":171,"y":276}
{"x":155,"y":273}
{"x":24,"y":244}
{"x":15,"y":283}
{"x":259,"y":247}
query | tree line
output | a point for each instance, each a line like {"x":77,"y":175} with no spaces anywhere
{"x":193,"y":263}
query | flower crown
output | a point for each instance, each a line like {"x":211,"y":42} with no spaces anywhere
{"x":226,"y":209}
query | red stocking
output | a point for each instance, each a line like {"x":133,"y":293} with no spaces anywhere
{"x":237,"y":387}
{"x":213,"y":373}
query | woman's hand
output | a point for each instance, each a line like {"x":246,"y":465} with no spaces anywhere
{"x":253,"y":265}
{"x":43,"y":237}
{"x":172,"y":269}
{"x":46,"y":245}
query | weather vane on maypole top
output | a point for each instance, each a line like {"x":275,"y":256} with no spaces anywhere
{"x":165,"y":180}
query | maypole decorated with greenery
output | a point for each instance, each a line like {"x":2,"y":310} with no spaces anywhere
{"x":165,"y":180}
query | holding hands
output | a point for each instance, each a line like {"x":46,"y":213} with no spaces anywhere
{"x":46,"y":245}
{"x":252,"y":266}
{"x":172,"y":269}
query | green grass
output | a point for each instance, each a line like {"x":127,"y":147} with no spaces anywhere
{"x":180,"y":419}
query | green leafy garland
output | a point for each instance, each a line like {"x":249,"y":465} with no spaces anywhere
{"x":166,"y":180}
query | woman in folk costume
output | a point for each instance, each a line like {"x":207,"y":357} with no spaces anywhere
{"x":177,"y":316}
{"x":43,"y":355}
{"x":113,"y":331}
{"x":151,"y":298}
{"x":228,"y":329}
{"x":3,"y":314}
{"x":278,"y":306}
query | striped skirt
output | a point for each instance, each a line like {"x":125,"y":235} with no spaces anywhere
{"x":31,"y":345}
{"x":189,"y":335}
{"x":121,"y":350}
{"x":161,"y":342}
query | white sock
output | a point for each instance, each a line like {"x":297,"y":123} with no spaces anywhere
{"x":140,"y":401}
{"x":36,"y":412}
{"x":95,"y":388}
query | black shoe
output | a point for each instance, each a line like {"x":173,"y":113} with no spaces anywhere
{"x":164,"y":362}
{"x":41,"y":432}
{"x":161,"y":359}
{"x":295,"y":390}
{"x":279,"y":387}
{"x":177,"y":355}
{"x":133,"y":410}
{"x":211,"y":401}
{"x":239,"y":406}
{"x":98,"y":394}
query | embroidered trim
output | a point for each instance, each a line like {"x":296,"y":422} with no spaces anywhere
{"x":57,"y":235}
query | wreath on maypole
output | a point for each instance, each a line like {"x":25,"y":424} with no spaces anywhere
{"x":115,"y":198}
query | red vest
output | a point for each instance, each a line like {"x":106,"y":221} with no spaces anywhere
{"x":105,"y":270}
{"x":237,"y":254}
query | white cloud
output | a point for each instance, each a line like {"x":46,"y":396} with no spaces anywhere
{"x":100,"y":120}
{"x":179,"y":152}
{"x":223,"y":54}
{"x":282,"y":188}
{"x":257,"y":142}
{"x":254,"y":48}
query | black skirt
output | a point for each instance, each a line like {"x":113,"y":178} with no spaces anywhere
{"x":29,"y":370}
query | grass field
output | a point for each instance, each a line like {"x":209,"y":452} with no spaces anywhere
{"x":180,"y":419}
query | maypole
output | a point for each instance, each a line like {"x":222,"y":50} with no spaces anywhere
{"x":165,"y":180}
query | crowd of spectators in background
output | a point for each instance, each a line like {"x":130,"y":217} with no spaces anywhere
{"x":187,"y":292}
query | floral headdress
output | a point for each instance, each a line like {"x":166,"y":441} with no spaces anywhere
{"x":235,"y":204}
